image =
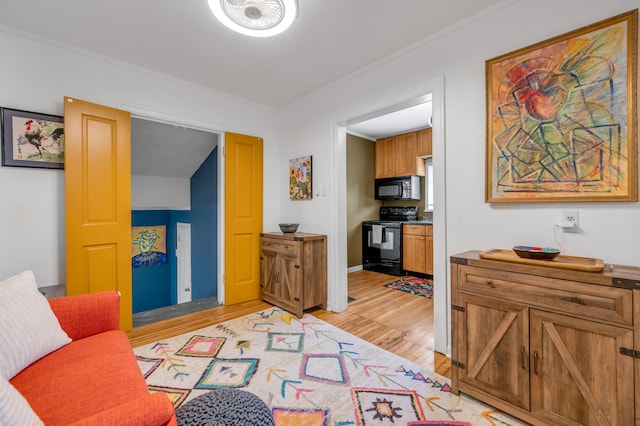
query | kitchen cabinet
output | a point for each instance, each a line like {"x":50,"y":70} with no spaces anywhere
{"x":424,"y":142}
{"x":417,"y":248}
{"x":385,"y":158}
{"x":398,"y":156}
{"x":293,"y":270}
{"x":550,"y":346}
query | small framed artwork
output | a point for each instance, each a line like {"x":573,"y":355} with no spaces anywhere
{"x":148,"y":246}
{"x":300,"y":178}
{"x":31,"y":139}
{"x":562,"y":119}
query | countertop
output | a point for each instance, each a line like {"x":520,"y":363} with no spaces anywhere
{"x":425,"y":222}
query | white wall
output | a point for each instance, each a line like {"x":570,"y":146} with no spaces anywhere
{"x":610,"y":230}
{"x":160,"y":193}
{"x":35,"y":76}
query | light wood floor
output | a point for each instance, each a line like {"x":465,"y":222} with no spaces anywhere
{"x":398,"y":322}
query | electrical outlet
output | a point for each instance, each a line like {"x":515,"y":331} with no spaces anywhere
{"x":569,"y":219}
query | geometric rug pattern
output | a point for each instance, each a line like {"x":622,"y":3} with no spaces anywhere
{"x":418,"y":286}
{"x":308,"y":372}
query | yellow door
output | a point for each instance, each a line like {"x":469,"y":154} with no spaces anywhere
{"x":98,"y":201}
{"x":243,"y":217}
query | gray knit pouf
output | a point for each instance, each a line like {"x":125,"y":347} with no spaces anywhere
{"x":225,"y":407}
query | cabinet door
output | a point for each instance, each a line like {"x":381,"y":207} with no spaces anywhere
{"x":494,"y":348}
{"x":280,"y":278}
{"x":428,"y":254}
{"x":385,"y":158}
{"x":406,"y":147}
{"x":424,"y":142}
{"x":413,"y":253}
{"x":578,"y":375}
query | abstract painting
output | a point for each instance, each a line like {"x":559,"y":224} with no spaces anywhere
{"x":561,"y":117}
{"x":148,"y":246}
{"x":300,"y":178}
{"x":31,"y":139}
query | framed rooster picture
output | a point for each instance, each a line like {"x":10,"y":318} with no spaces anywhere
{"x":31,"y":139}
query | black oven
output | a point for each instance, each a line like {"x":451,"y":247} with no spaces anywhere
{"x":382,"y":239}
{"x":382,"y":246}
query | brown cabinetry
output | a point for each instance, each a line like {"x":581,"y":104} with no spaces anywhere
{"x":417,"y":248}
{"x":293,"y":270}
{"x":385,"y":158}
{"x":398,"y":156}
{"x":424,"y":142}
{"x":544,"y":344}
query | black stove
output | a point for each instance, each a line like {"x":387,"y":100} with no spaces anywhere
{"x":382,"y":239}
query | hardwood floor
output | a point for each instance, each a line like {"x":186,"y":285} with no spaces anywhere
{"x":398,"y":322}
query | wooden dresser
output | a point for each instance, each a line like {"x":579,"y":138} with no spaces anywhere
{"x":550,"y":346}
{"x":293,"y":270}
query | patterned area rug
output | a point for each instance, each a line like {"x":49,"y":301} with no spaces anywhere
{"x":418,"y":286}
{"x":309,"y":373}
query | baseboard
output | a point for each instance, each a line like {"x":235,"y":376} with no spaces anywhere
{"x":354,"y":269}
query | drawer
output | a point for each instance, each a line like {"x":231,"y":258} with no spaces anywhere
{"x":609,"y":304}
{"x":279,"y":246}
{"x":417,"y":229}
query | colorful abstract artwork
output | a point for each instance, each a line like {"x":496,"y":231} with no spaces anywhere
{"x":561,"y":117}
{"x":148,"y":246}
{"x":32,"y":140}
{"x":300,"y":178}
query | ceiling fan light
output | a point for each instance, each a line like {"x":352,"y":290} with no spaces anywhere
{"x":256,"y":18}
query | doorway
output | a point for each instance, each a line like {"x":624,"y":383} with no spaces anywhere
{"x":338,"y":287}
{"x":175,"y":186}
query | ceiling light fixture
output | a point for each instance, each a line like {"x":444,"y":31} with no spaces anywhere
{"x":256,"y":18}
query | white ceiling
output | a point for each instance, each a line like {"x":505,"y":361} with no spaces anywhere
{"x":160,"y":149}
{"x":330,"y":40}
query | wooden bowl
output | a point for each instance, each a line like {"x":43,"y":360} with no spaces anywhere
{"x":538,"y":253}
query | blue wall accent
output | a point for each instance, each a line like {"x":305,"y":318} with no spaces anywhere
{"x":152,"y":285}
{"x":204,"y":228}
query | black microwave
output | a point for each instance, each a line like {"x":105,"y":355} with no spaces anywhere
{"x":398,"y":188}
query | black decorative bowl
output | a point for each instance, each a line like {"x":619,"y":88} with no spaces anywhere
{"x":288,"y":228}
{"x":538,"y":253}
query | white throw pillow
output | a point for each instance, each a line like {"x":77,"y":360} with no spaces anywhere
{"x":14,"y":409}
{"x":29,"y":329}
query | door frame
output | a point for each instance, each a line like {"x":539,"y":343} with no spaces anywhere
{"x":369,"y":108}
{"x":145,"y":113}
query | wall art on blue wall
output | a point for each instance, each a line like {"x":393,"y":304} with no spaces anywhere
{"x":148,"y":246}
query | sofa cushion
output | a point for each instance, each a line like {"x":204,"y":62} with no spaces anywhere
{"x":85,"y":377}
{"x":14,"y":409}
{"x":30,"y":330}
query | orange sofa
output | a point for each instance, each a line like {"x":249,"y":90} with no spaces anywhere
{"x":95,"y":379}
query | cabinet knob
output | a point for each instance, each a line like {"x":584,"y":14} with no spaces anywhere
{"x":490,"y":284}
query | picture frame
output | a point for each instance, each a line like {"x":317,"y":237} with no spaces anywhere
{"x":300,"y":178}
{"x":148,"y":246}
{"x":31,"y":139}
{"x":561,"y":117}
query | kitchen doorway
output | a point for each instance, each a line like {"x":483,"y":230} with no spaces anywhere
{"x":338,"y":293}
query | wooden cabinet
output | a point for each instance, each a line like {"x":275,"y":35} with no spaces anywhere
{"x":424,"y":142}
{"x":293,"y":270}
{"x":398,"y":156}
{"x":385,"y":158}
{"x":417,"y":248}
{"x":548,"y":345}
